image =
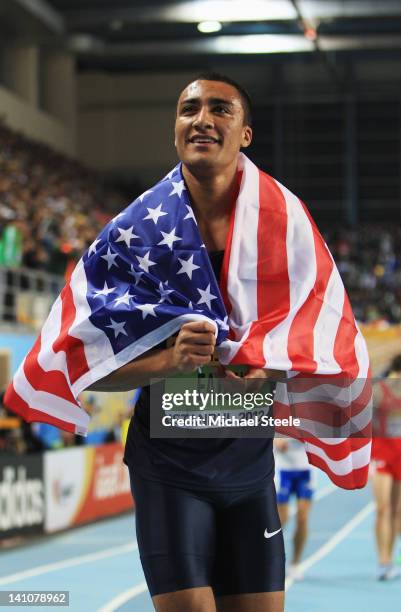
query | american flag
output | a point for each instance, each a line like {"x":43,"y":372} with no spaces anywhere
{"x":281,"y":304}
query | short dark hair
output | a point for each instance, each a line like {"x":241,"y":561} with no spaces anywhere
{"x":244,"y":95}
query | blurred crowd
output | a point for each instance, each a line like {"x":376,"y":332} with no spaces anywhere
{"x":18,"y":436}
{"x":369,"y":261}
{"x":51,"y":207}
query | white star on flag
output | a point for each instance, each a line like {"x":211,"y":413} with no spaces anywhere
{"x":169,"y":238}
{"x":206,"y":296}
{"x":155,"y":213}
{"x":126,"y":235}
{"x":136,"y":275}
{"x":145,"y":193}
{"x":147,"y":309}
{"x":223,"y":322}
{"x":110,"y":257}
{"x":164,"y":293}
{"x":123,"y":299}
{"x":105,"y":291}
{"x":187,"y":267}
{"x":190,"y":305}
{"x":118,"y":328}
{"x":145,"y":262}
{"x":178,"y":188}
{"x":190,"y":214}
{"x":92,"y":248}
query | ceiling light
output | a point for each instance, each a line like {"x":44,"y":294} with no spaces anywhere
{"x":206,"y":27}
{"x":229,"y":10}
{"x":261,"y":43}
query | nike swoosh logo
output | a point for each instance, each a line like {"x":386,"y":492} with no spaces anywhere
{"x":268,"y":534}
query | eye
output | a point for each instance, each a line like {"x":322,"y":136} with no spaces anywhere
{"x":221,"y":109}
{"x":187,"y":109}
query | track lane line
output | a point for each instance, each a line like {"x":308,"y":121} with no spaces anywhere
{"x":122,"y":598}
{"x":324,"y":550}
{"x":73,"y":561}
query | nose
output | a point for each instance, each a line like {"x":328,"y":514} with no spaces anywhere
{"x":203,"y":119}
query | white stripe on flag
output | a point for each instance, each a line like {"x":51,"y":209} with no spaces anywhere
{"x":356,"y":459}
{"x":97,"y":345}
{"x":326,"y":327}
{"x":323,"y":391}
{"x":105,"y":366}
{"x":49,"y":403}
{"x":47,"y":358}
{"x":242,"y":273}
{"x":362,"y":354}
{"x":302,"y":276}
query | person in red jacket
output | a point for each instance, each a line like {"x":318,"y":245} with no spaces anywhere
{"x":386,"y":455}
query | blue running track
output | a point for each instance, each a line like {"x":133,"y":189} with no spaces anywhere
{"x":99,"y":564}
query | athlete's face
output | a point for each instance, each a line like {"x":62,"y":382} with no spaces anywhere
{"x":210,"y":127}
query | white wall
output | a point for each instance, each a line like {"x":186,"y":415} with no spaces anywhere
{"x":126,"y":122}
{"x":34,"y":123}
{"x":38,"y":96}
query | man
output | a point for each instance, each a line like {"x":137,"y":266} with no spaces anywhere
{"x":386,"y":478}
{"x":294,"y":476}
{"x":191,"y":527}
{"x":225,"y":257}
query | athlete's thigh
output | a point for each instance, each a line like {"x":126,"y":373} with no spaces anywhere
{"x":252,"y":602}
{"x":176,"y":537}
{"x":250,"y":548}
{"x":191,"y":600}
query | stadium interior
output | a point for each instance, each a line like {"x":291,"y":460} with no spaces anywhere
{"x":88,"y":92}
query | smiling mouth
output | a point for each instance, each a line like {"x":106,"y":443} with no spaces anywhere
{"x":203,"y":140}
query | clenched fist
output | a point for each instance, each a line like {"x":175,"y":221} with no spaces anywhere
{"x":194,"y":346}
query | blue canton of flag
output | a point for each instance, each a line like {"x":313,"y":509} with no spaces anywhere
{"x":149,"y":266}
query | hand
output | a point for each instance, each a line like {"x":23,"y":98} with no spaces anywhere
{"x":194,"y":346}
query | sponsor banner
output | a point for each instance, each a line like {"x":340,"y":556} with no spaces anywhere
{"x":84,"y":484}
{"x":22,"y":503}
{"x":66,"y":476}
{"x":109,"y":489}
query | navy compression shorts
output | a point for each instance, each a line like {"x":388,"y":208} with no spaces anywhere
{"x":230,"y":541}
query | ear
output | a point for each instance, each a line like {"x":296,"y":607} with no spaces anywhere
{"x":246,"y":136}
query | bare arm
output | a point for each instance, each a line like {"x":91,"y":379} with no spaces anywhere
{"x":193,"y":348}
{"x":138,"y":373}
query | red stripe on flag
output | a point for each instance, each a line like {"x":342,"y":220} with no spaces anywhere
{"x":273,"y":290}
{"x":340,"y":450}
{"x":300,"y":337}
{"x":14,"y":402}
{"x":52,"y":381}
{"x":344,"y":345}
{"x":77,"y":364}
{"x":356,"y":479}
